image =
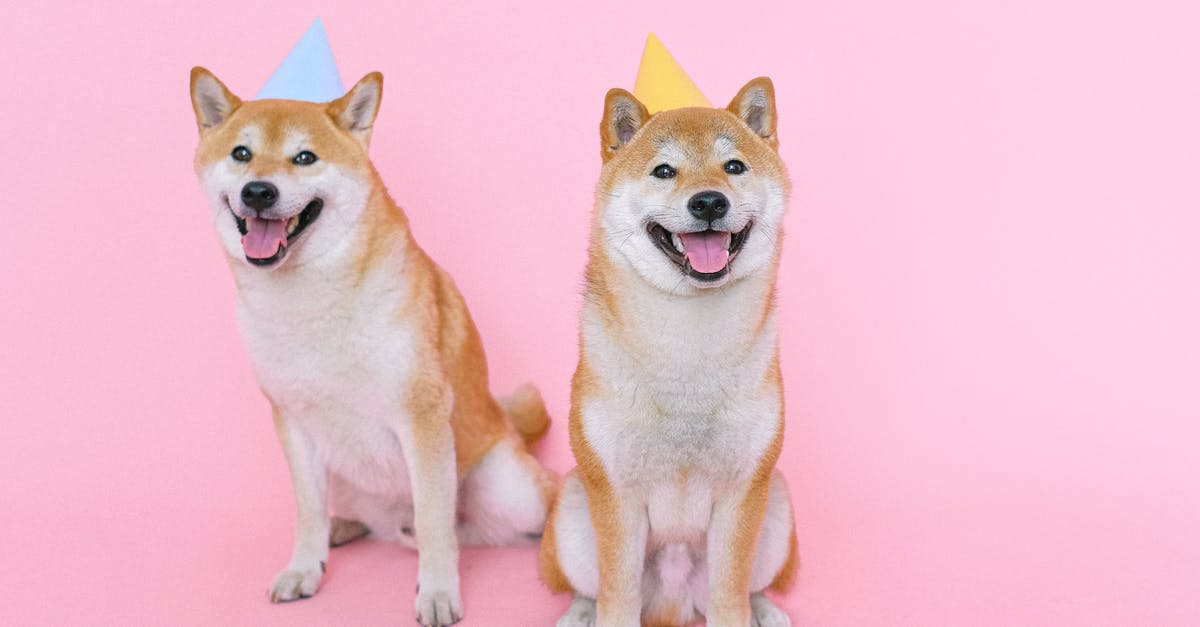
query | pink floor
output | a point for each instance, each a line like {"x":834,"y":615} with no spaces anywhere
{"x":990,"y":294}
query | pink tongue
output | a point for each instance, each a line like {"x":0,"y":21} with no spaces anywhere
{"x":707,"y":251}
{"x":264,"y":237}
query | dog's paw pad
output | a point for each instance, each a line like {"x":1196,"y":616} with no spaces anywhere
{"x":438,"y":608}
{"x":295,"y":583}
{"x":764,"y":613}
{"x":344,"y":531}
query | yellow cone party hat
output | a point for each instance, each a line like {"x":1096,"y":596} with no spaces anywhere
{"x":661,"y":84}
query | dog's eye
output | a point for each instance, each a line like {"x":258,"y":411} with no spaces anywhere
{"x":733,"y":166}
{"x":663,"y":171}
{"x":241,"y":153}
{"x":305,"y":158}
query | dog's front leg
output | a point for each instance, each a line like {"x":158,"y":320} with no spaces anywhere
{"x":732,"y":537}
{"x":428,"y":443}
{"x":621,"y":526}
{"x":303,"y":574}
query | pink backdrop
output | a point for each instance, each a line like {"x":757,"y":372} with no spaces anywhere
{"x":989,"y":290}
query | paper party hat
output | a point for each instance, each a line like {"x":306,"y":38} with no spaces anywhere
{"x":662,"y":84}
{"x":308,"y":72}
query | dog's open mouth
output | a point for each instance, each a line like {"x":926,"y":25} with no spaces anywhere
{"x":265,"y":241}
{"x":702,"y":255}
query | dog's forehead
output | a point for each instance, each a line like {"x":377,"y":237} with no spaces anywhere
{"x":294,"y":139}
{"x":697,"y":133}
{"x":671,"y":150}
{"x":721,"y":146}
{"x":724,"y":146}
{"x":251,"y":135}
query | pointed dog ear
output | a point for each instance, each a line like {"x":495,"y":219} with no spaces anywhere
{"x":623,"y":116}
{"x":755,"y":105}
{"x":211,"y":100}
{"x":355,"y":112}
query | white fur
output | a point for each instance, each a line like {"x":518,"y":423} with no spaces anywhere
{"x":581,"y":613}
{"x":502,"y":502}
{"x":764,"y":613}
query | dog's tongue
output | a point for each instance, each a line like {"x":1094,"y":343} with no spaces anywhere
{"x":707,"y":251}
{"x":264,"y":237}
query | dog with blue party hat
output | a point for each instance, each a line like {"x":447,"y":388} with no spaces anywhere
{"x":375,"y":372}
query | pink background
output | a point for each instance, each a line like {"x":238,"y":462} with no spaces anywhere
{"x":989,"y":290}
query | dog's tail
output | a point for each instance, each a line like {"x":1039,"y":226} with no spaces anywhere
{"x":527,"y":412}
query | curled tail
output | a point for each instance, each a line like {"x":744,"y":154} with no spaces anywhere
{"x":527,"y":412}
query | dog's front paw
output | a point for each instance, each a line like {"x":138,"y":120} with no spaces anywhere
{"x":296,"y":583}
{"x":767,"y":614}
{"x":438,"y":607}
{"x":582,"y":613}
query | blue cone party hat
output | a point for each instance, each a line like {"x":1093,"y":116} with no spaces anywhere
{"x":308,"y":72}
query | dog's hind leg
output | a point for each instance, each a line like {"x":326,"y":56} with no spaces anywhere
{"x":568,"y":561}
{"x":357,"y":513}
{"x":775,"y":558}
{"x":505,"y":498}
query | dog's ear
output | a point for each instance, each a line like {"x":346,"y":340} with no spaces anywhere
{"x":623,"y":116}
{"x":755,"y":105}
{"x":355,"y":112}
{"x":211,"y":100}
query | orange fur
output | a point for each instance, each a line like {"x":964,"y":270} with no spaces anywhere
{"x":787,"y":573}
{"x":548,"y":565}
{"x":602,"y":499}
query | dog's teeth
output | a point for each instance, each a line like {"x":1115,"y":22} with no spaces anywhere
{"x":677,"y":242}
{"x":292,"y":224}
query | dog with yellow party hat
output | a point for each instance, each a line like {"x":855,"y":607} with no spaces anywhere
{"x":675,"y":510}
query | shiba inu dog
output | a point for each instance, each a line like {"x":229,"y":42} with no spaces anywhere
{"x":675,"y":510}
{"x":364,"y":347}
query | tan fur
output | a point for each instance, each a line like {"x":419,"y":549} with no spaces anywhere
{"x":787,"y":573}
{"x":548,"y":567}
{"x":602,"y":498}
{"x":526,"y":410}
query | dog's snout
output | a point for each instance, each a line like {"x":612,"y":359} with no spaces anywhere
{"x":259,"y":195}
{"x":708,"y":206}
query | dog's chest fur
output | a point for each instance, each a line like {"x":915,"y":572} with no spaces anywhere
{"x":335,"y":359}
{"x":688,"y":404}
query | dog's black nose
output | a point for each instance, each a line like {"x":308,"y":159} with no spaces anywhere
{"x":709,"y":206}
{"x":259,"y":194}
